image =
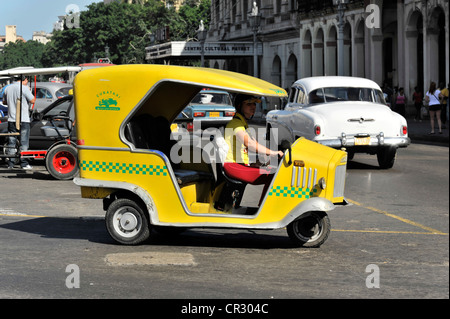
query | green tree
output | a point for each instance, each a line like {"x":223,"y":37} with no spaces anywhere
{"x":120,"y":28}
{"x":66,"y":48}
{"x":191,"y":13}
{"x":16,"y":54}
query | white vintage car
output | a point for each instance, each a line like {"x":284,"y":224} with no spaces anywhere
{"x":341,"y":112}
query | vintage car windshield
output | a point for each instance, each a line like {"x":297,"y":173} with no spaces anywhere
{"x":339,"y":94}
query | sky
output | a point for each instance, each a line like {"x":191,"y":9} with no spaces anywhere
{"x":35,"y":15}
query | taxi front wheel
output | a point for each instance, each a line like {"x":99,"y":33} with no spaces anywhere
{"x":127,"y":222}
{"x":310,"y":230}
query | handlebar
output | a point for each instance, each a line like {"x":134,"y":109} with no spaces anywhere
{"x":285,"y":145}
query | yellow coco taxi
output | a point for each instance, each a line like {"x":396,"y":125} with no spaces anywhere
{"x":124,"y":147}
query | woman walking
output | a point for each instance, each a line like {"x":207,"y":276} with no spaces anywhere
{"x":432,"y":97}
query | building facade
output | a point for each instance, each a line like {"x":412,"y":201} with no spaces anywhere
{"x":10,"y":36}
{"x":41,"y":37}
{"x":404,"y":43}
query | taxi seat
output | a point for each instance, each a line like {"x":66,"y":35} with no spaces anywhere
{"x":185,"y":177}
{"x":135,"y":135}
{"x":233,"y":189}
{"x":147,"y":132}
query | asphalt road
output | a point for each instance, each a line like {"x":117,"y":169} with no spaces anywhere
{"x":392,"y":242}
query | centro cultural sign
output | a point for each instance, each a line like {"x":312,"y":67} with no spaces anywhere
{"x":211,"y":49}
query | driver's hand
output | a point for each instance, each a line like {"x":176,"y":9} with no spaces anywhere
{"x":277,"y":153}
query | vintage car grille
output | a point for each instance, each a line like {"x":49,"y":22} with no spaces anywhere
{"x":339,"y":180}
{"x":303,"y":177}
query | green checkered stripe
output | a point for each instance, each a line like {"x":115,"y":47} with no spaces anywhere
{"x":293,"y":192}
{"x":125,"y":168}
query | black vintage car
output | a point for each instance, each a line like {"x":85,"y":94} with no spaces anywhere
{"x":53,"y":134}
{"x":38,"y":139}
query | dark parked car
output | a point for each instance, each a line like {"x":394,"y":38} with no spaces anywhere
{"x":38,"y":139}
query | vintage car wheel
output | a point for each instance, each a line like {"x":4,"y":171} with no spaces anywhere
{"x":386,"y":157}
{"x":15,"y":160}
{"x":126,"y":222}
{"x":62,"y":161}
{"x":310,"y":230}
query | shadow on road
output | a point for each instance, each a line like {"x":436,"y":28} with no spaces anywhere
{"x":63,"y":228}
{"x":94,"y":230}
{"x":352,"y":164}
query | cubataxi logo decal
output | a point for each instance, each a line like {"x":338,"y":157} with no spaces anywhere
{"x":108,"y":101}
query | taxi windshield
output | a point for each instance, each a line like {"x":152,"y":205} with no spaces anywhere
{"x":339,"y":94}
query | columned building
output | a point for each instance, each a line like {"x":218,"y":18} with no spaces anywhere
{"x":404,"y":43}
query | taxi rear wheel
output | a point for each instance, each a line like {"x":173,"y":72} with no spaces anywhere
{"x":310,"y":230}
{"x":127,"y":222}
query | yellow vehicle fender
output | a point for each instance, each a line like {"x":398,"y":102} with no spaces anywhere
{"x":315,"y":204}
{"x":90,"y":188}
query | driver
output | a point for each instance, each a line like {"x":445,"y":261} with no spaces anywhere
{"x":237,"y":164}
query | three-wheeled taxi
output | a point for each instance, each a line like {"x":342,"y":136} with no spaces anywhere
{"x":124,"y":114}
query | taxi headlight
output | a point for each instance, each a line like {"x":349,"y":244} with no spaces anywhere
{"x":322,"y":183}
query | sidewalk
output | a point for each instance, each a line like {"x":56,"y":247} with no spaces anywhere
{"x":419,"y":132}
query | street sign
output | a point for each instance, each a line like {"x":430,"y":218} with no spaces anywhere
{"x":194,"y":49}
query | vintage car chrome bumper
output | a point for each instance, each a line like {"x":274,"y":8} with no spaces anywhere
{"x":373,"y":141}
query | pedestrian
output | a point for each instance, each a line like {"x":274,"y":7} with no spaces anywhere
{"x":237,"y":164}
{"x":388,"y":94}
{"x":434,"y":106}
{"x":444,"y":103}
{"x":10,"y":97}
{"x":417,"y":98}
{"x":400,"y":102}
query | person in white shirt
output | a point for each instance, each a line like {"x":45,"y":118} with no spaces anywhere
{"x":434,"y":105}
{"x":10,"y":97}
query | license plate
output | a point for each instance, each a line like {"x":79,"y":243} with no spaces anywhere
{"x":214,"y":114}
{"x":362,"y":140}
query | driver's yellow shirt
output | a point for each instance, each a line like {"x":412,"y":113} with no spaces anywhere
{"x":237,"y":152}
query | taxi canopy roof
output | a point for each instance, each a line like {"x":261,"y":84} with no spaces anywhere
{"x":27,"y":70}
{"x":106,"y":99}
{"x":160,"y":90}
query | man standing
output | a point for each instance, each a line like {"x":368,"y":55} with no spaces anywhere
{"x":11,"y":97}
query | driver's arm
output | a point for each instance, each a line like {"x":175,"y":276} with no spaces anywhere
{"x":243,"y":137}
